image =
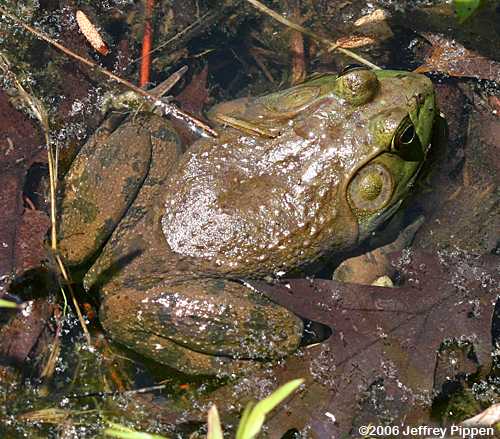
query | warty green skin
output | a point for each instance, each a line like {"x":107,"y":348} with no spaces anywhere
{"x":299,"y":173}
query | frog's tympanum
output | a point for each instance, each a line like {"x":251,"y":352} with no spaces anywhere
{"x":294,"y":175}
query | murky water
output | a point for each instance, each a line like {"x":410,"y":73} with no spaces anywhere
{"x":378,"y":365}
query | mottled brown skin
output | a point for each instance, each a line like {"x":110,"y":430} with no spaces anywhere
{"x":293,"y":175}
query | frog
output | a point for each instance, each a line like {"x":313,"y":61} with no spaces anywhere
{"x":172,"y":237}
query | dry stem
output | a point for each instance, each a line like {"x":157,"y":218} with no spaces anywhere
{"x":167,"y":107}
{"x":331,"y":45}
{"x":39,"y":112}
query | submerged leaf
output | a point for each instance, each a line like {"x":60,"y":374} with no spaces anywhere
{"x":22,"y":230}
{"x":385,"y":335}
{"x":452,"y":58}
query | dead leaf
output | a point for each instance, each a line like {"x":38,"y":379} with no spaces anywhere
{"x":192,"y":99}
{"x":21,"y":230}
{"x":354,"y":41}
{"x":194,"y":96}
{"x":383,"y":335}
{"x":375,"y":25}
{"x":20,"y":337}
{"x":450,"y":57}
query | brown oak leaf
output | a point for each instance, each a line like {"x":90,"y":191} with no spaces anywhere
{"x":452,"y":58}
{"x":21,"y":230}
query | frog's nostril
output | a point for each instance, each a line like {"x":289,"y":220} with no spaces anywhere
{"x":314,"y":332}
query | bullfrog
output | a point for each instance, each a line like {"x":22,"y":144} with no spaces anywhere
{"x":173,"y":237}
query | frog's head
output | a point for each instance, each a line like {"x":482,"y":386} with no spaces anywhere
{"x":374,"y":129}
{"x":399,"y":109}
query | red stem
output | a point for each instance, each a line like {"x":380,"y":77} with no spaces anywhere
{"x":147,"y":42}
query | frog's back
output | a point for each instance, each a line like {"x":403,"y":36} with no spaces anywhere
{"x":245,"y":208}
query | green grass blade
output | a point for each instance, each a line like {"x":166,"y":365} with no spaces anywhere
{"x":122,"y":432}
{"x":255,"y":417}
{"x":242,"y":426}
{"x":214,"y":427}
{"x":8,"y":304}
{"x":266,"y":405}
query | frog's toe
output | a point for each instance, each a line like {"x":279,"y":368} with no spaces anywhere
{"x":208,"y":326}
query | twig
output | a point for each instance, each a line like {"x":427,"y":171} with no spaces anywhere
{"x":126,"y":392}
{"x":40,"y":114}
{"x":169,"y":109}
{"x":167,"y":85}
{"x":331,"y":45}
{"x":298,"y":68}
{"x":66,"y":277}
{"x":261,"y":64}
{"x":147,"y":42}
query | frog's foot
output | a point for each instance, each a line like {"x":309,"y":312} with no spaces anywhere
{"x":204,"y":326}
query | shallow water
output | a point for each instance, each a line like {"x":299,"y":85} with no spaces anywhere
{"x":248,"y":54}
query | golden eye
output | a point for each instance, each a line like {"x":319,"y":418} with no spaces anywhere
{"x":371,"y":188}
{"x":406,"y":143}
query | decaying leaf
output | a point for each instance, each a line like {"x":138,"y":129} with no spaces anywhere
{"x":450,"y":57}
{"x":21,"y":230}
{"x":375,"y":24}
{"x":385,"y":335}
{"x":487,"y":418}
{"x":19,"y":339}
{"x":192,"y":99}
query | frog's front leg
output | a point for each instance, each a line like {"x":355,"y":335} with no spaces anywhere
{"x":201,"y":326}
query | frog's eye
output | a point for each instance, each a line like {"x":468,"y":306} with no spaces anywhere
{"x":350,"y":68}
{"x":371,"y":188}
{"x":406,"y":142}
{"x":356,"y":84}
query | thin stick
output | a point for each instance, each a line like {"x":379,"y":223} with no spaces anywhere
{"x":117,"y":393}
{"x":53,"y":188}
{"x":52,"y":157}
{"x":331,"y":45}
{"x":147,"y":40}
{"x":167,"y":108}
{"x":65,"y":276}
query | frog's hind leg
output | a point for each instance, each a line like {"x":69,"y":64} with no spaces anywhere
{"x":136,"y":249}
{"x":202,"y":326}
{"x":100,"y":185}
